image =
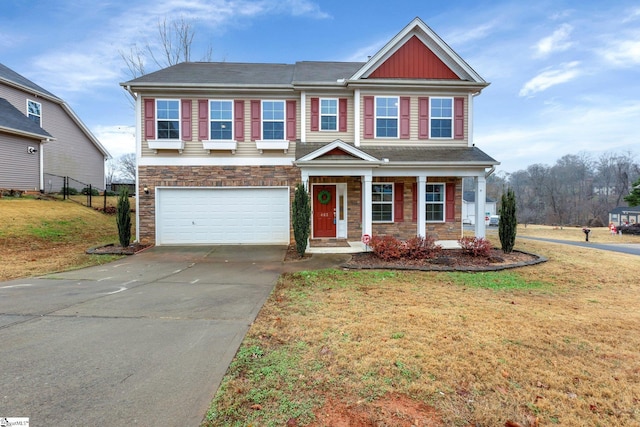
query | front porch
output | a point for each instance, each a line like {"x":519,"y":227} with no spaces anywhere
{"x":344,"y":246}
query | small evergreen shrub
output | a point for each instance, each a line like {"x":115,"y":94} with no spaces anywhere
{"x":508,"y":224}
{"x":123,"y":218}
{"x":475,"y":246}
{"x":94,"y":192}
{"x":301,"y":213}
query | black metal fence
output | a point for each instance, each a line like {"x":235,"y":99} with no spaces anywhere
{"x":67,"y":188}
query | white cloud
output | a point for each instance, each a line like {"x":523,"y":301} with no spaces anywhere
{"x":118,"y":140}
{"x":551,"y":77}
{"x":622,"y":53}
{"x":465,"y":35}
{"x":556,"y":42}
{"x":362,"y":54}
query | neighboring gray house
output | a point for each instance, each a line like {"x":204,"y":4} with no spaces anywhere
{"x":624,"y":215}
{"x":61,"y":145}
{"x":469,"y":207}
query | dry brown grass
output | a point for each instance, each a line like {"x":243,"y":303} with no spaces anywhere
{"x":597,"y":235}
{"x":560,"y":348}
{"x":44,"y":236}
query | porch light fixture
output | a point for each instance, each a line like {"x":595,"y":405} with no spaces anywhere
{"x":146,"y":190}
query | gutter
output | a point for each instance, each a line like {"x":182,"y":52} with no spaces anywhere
{"x":133,"y":94}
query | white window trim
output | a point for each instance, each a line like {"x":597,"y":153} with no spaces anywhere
{"x":210,"y":120}
{"x":376,"y":117}
{"x":336,"y":115}
{"x":431,"y":98}
{"x":391,"y":221}
{"x":40,"y":108}
{"x":179,"y":120}
{"x":443,"y":203}
{"x":284,"y":121}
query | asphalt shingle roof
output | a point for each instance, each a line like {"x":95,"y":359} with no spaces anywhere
{"x":412,"y":154}
{"x":7,"y":73}
{"x":12,"y":118}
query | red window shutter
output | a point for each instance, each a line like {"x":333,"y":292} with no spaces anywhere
{"x":405,"y":117}
{"x":450,"y":202}
{"x":398,"y":202}
{"x":150,"y":118}
{"x":291,"y":119}
{"x":203,"y":119}
{"x":423,"y":118}
{"x":342,"y":114}
{"x":255,"y":120}
{"x":186,"y":120}
{"x":369,"y":116}
{"x":315,"y":114}
{"x":414,"y":201}
{"x":238,"y":118}
{"x":458,"y":116}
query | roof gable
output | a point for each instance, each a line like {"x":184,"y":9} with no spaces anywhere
{"x":417,"y":52}
{"x":413,"y":60}
{"x":338,"y":148}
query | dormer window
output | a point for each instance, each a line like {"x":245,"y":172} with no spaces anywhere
{"x":387,"y":117}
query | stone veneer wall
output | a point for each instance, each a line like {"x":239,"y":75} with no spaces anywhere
{"x":205,"y":176}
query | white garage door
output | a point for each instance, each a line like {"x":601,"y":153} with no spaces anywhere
{"x":222,"y":215}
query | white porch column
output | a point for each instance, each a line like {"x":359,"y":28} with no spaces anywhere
{"x":304,"y":175}
{"x":480,"y":183}
{"x":367,"y":199}
{"x":422,"y":206}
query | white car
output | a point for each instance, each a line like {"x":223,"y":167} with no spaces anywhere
{"x":494,"y":220}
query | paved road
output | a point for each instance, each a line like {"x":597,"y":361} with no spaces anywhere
{"x":142,"y":341}
{"x":626,"y":248}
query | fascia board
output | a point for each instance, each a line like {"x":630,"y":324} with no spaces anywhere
{"x":28,"y":89}
{"x":341,"y":145}
{"x":418,"y":84}
{"x":41,"y":138}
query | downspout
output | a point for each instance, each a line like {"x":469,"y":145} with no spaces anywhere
{"x":490,"y":172}
{"x":40,"y":147}
{"x":133,"y":94}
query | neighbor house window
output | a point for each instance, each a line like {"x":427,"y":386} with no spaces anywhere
{"x":168,"y":118}
{"x":382,"y":206}
{"x":34,"y":112}
{"x":273,"y":120}
{"x":328,"y":114}
{"x":221,"y":119}
{"x":435,"y":202}
{"x":441,"y":114}
{"x":386,"y":117}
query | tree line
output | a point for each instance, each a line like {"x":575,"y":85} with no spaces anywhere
{"x":577,"y":190}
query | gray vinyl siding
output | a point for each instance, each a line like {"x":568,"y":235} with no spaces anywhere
{"x":19,"y":170}
{"x":72,"y":153}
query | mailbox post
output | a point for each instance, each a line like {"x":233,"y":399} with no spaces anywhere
{"x":586,"y":232}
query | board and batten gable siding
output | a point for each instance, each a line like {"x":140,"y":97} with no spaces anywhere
{"x":416,"y":136}
{"x":19,"y":170}
{"x":72,"y":153}
{"x":193,"y":145}
{"x":347,"y":135}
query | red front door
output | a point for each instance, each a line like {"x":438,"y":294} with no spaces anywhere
{"x":324,"y":211}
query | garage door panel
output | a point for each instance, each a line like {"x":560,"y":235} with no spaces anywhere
{"x":223,"y":215}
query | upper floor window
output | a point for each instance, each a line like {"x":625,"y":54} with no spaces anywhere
{"x":435,"y":202}
{"x":168,"y":118}
{"x":386,"y":117}
{"x":273,"y":120}
{"x":221,"y":120}
{"x":34,"y":111}
{"x":328,"y":114}
{"x":382,"y":206}
{"x":441,"y":114}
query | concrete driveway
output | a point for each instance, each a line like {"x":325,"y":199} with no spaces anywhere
{"x":141,"y":341}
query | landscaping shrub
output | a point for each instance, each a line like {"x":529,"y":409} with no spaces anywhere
{"x":386,"y":247}
{"x":475,"y":246}
{"x":508,"y":221}
{"x":301,"y":213}
{"x":70,"y":191}
{"x":94,"y":192}
{"x":421,"y":248}
{"x":123,"y":218}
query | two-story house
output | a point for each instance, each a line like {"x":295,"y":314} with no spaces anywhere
{"x":42,"y":139}
{"x":381,"y":145}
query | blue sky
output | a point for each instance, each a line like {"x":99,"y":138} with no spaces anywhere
{"x":565,"y":75}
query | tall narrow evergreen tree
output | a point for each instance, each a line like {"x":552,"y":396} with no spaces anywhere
{"x":507,"y":226}
{"x":301,"y":212}
{"x":123,"y":218}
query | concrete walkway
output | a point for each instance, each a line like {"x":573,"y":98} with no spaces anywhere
{"x":142,"y":341}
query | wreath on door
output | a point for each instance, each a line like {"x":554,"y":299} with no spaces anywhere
{"x":324,"y":197}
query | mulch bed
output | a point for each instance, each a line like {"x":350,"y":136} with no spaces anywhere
{"x":115,"y":249}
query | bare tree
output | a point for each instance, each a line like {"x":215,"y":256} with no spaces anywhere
{"x":174,"y":45}
{"x":127,"y":166}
